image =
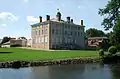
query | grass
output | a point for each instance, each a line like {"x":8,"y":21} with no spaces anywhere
{"x":9,"y":54}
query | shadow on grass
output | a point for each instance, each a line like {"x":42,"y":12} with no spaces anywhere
{"x":5,"y":52}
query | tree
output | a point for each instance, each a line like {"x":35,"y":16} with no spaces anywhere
{"x":5,"y":39}
{"x":108,"y":34}
{"x":115,"y":36}
{"x":22,"y":38}
{"x":92,"y":32}
{"x":111,"y":14}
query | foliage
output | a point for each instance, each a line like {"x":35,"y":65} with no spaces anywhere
{"x":109,"y":34}
{"x":112,"y":50}
{"x":111,"y":14}
{"x":116,"y":33}
{"x":5,"y":39}
{"x":104,"y":45}
{"x":92,"y":32}
{"x":114,"y":36}
{"x":101,"y":52}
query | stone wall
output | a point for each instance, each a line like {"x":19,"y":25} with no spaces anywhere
{"x":19,"y":64}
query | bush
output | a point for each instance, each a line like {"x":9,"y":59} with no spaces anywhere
{"x":112,"y":50}
{"x":118,"y":47}
{"x":101,"y":52}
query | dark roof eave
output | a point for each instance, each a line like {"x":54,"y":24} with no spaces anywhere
{"x":38,"y":24}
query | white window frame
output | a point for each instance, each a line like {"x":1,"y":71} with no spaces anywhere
{"x":46,"y":39}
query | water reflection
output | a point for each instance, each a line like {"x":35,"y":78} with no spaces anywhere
{"x":59,"y":72}
{"x":115,"y":71}
{"x":81,"y":71}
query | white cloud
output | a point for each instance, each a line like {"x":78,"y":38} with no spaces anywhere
{"x":32,"y":19}
{"x":4,"y":25}
{"x":25,"y":0}
{"x":8,"y":16}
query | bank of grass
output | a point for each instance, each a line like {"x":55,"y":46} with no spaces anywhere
{"x":10,"y":54}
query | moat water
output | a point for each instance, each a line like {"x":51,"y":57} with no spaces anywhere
{"x":79,"y":71}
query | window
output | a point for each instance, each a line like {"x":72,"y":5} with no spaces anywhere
{"x":81,"y":33}
{"x":42,"y":31}
{"x":36,"y":32}
{"x":42,"y":40}
{"x":75,"y":41}
{"x":78,"y":33}
{"x":71,"y":33}
{"x":53,"y":31}
{"x":78,"y":28}
{"x":39,"y":32}
{"x":65,"y":26}
{"x":75,"y":33}
{"x":46,"y":39}
{"x":68,"y":26}
{"x":45,"y":31}
{"x":65,"y":32}
{"x":56,"y":31}
{"x":36,"y":39}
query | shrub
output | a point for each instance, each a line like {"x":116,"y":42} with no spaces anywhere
{"x":112,"y":50}
{"x":118,"y":47}
{"x":101,"y":52}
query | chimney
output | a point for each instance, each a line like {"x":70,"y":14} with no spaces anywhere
{"x":68,"y":19}
{"x":40,"y":19}
{"x":47,"y":17}
{"x":81,"y":22}
{"x":71,"y":20}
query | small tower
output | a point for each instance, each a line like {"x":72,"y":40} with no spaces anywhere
{"x":58,"y":15}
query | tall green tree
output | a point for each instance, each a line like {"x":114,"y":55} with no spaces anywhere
{"x":92,"y":32}
{"x":111,"y":14}
{"x":115,"y":36}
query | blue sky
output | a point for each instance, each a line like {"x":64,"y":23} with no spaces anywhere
{"x":17,"y":15}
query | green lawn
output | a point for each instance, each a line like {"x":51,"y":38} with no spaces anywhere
{"x":8,"y":54}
